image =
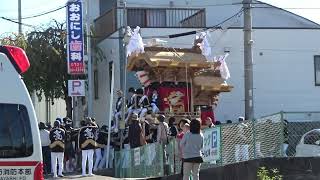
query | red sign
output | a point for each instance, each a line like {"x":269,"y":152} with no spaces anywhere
{"x":174,"y":99}
{"x":76,"y":67}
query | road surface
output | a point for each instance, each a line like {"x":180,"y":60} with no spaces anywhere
{"x":67,"y":177}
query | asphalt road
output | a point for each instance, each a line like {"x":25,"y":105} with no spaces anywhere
{"x":84,"y":178}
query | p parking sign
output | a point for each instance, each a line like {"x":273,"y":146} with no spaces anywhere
{"x":211,"y":144}
{"x":76,"y":88}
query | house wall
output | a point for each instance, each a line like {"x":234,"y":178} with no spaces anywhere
{"x":110,"y":47}
{"x":283,"y":68}
{"x":58,"y":109}
{"x":106,"y":5}
{"x":219,"y":10}
{"x":283,"y":58}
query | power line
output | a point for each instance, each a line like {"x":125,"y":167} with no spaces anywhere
{"x":212,"y":27}
{"x":24,"y":24}
{"x":167,"y":5}
{"x":33,"y":16}
{"x":226,"y":4}
{"x":271,"y":7}
{"x":42,"y":14}
{"x":215,"y":27}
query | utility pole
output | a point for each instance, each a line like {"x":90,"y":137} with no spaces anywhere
{"x":90,"y":85}
{"x":19,"y":17}
{"x":33,"y":93}
{"x":248,"y":61}
{"x":123,"y":56}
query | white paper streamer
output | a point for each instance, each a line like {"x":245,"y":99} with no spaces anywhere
{"x":205,"y":45}
{"x":135,"y":44}
{"x":224,"y":70}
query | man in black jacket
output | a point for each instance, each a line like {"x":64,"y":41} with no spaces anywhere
{"x":57,"y":138}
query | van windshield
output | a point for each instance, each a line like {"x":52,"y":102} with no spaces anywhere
{"x":15,"y":131}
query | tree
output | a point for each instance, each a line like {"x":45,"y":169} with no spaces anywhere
{"x":46,"y":49}
{"x":47,"y":53}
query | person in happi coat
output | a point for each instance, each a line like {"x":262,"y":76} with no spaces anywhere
{"x":101,"y":140}
{"x":155,"y":102}
{"x":117,"y":113}
{"x":131,"y":102}
{"x":87,"y":144}
{"x":57,"y":146}
{"x":143,"y":103}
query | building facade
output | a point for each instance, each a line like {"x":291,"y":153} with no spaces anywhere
{"x":285,"y":51}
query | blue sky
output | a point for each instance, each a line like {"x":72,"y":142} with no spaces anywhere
{"x":31,"y":7}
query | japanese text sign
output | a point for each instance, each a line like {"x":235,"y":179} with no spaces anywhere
{"x":75,"y":37}
{"x":211,"y":144}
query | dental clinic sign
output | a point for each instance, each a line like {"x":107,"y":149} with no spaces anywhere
{"x":211,"y":144}
{"x":75,"y":37}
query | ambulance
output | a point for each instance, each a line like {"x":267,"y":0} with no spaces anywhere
{"x":20,"y":148}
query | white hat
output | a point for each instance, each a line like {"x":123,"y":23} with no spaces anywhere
{"x":241,"y":118}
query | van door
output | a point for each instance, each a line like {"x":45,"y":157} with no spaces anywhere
{"x":16,"y":143}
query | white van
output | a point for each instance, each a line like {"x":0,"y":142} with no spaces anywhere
{"x":20,"y":148}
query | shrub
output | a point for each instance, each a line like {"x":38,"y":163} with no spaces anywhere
{"x":265,"y":174}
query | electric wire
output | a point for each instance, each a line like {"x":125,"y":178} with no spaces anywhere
{"x":24,"y":24}
{"x":41,"y":14}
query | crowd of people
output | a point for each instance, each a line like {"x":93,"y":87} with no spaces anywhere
{"x":69,"y":149}
{"x":66,"y":149}
{"x":140,"y":131}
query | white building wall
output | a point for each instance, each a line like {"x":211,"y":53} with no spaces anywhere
{"x":94,"y":9}
{"x":283,"y":68}
{"x":219,"y":10}
{"x":58,"y":109}
{"x":101,"y":105}
{"x":283,"y":59}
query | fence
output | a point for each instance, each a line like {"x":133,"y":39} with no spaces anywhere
{"x":276,"y":135}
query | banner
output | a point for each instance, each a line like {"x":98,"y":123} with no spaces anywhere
{"x":75,"y":40}
{"x":211,"y":144}
{"x":174,"y":99}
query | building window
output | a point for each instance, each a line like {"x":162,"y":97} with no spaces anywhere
{"x":146,"y":17}
{"x":156,"y":18}
{"x":136,"y":17}
{"x":110,"y":74}
{"x":96,"y":84}
{"x":317,"y":70}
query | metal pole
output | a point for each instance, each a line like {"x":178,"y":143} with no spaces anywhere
{"x":123,"y":57}
{"x":110,"y":118}
{"x":248,"y":61}
{"x":90,"y":86}
{"x":19,"y":17}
